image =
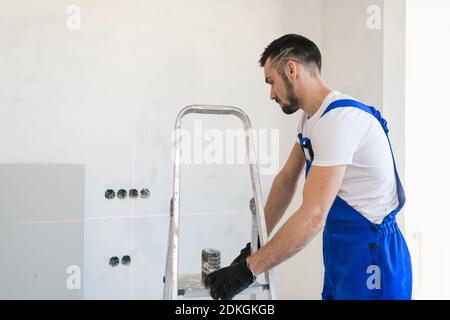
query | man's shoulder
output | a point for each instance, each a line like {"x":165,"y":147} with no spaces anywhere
{"x":346,"y":108}
{"x":345,"y":114}
{"x":343,"y":121}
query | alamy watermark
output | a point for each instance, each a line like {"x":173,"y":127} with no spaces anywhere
{"x":73,"y":281}
{"x":373,"y":21}
{"x":374,"y":280}
{"x":229,"y":146}
{"x":73,"y":21}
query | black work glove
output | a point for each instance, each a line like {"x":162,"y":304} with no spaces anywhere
{"x":245,"y":253}
{"x":229,"y":281}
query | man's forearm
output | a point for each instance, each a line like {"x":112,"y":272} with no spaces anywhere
{"x":292,"y":237}
{"x":280,"y":195}
{"x":319,"y":193}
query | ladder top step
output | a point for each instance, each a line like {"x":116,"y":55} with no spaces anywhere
{"x":191,"y":286}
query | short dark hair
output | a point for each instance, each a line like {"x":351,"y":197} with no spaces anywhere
{"x":292,"y":46}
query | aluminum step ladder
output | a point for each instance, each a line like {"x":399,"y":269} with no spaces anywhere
{"x":190,"y":285}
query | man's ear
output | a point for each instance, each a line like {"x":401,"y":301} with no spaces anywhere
{"x":291,"y":70}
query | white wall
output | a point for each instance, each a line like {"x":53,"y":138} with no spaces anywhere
{"x":427,"y":174}
{"x":352,"y":52}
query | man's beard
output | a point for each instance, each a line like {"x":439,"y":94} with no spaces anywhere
{"x":292,"y":101}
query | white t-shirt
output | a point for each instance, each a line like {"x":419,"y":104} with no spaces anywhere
{"x":352,"y":137}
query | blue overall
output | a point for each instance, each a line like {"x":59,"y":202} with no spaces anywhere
{"x":363,"y":260}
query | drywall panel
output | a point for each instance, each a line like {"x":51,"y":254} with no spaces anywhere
{"x":41,"y":231}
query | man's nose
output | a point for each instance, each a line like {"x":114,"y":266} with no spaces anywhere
{"x":272,"y":95}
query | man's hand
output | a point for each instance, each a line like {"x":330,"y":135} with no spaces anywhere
{"x":245,"y":253}
{"x":229,"y":281}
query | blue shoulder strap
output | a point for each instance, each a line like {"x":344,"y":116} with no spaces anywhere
{"x":359,"y":105}
{"x":371,"y":110}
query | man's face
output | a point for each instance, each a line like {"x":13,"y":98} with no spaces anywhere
{"x":281,"y":89}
